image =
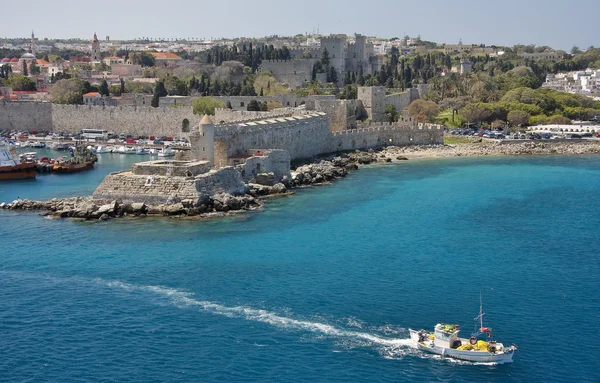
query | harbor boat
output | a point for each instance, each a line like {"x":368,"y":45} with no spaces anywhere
{"x":103,"y":149}
{"x":28,"y":157}
{"x":12,"y":168}
{"x":59,"y":146}
{"x":166,"y":152}
{"x":82,"y":159}
{"x":446,"y":342}
{"x":142,"y":151}
{"x":65,"y":166}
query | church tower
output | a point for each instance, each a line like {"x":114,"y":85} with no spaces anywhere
{"x":95,"y":49}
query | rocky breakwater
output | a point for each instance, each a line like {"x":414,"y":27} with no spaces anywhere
{"x":213,"y":194}
{"x":89,"y":208}
{"x":502,"y":148}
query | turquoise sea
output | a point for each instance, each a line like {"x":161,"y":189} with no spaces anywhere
{"x":318,"y":287}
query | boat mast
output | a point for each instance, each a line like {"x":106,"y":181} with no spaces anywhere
{"x":480,"y":311}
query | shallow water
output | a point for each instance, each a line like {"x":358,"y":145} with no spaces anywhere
{"x":321,"y":286}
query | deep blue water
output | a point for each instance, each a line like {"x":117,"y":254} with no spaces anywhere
{"x":321,"y":286}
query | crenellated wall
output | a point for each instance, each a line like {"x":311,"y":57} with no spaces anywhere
{"x":301,"y":136}
{"x":387,"y":134}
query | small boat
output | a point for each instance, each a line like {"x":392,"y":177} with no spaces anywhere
{"x":166,"y":152}
{"x":12,"y":168}
{"x":142,"y":151}
{"x":38,"y":144}
{"x":103,"y":149}
{"x":59,"y":146}
{"x":445,"y":341}
{"x":28,"y":157}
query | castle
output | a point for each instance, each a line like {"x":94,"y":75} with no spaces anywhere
{"x":344,"y":56}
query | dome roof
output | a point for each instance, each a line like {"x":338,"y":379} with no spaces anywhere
{"x":14,"y":60}
{"x":5,"y":60}
{"x":28,"y":56}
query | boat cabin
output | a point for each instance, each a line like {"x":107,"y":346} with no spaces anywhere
{"x":446,"y":335}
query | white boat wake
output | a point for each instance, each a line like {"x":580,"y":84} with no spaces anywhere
{"x":390,"y":347}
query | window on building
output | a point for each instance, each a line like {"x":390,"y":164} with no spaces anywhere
{"x":241,"y":104}
{"x":185,"y":126}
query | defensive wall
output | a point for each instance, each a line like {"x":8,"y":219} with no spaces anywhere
{"x":304,"y":136}
{"x":136,"y":121}
{"x":383,"y":134}
{"x":157,"y":189}
{"x":226,"y":116}
{"x":296,"y":73}
{"x":301,"y":136}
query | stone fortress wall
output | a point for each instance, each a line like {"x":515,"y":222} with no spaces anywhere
{"x":296,"y":72}
{"x":304,"y":136}
{"x":136,"y":121}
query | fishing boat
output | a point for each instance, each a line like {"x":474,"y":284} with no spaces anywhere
{"x":82,"y":159}
{"x":446,"y":342}
{"x":12,"y":168}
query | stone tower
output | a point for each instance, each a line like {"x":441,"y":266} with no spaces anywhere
{"x":203,"y":141}
{"x":95,"y":49}
{"x":33,"y":48}
{"x":373,"y":100}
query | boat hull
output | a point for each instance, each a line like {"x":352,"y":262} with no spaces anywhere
{"x":470,"y":356}
{"x":72,"y":168}
{"x":18,"y":172}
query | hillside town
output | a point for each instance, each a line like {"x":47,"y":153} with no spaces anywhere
{"x":450,"y":84}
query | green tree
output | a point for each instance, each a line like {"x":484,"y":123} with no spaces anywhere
{"x":34,"y":69}
{"x":19,"y":82}
{"x":67,"y":91}
{"x":518,"y":118}
{"x":206,"y":105}
{"x":122,"y":86}
{"x":104,"y":88}
{"x":391,"y":113}
{"x":159,"y":91}
{"x":253,"y":106}
{"x":423,"y":111}
{"x":24,"y":68}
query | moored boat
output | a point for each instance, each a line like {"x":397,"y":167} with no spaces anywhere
{"x":446,"y":342}
{"x":166,"y":152}
{"x":11,"y":168}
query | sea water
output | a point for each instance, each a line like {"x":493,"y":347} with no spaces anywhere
{"x":321,"y":286}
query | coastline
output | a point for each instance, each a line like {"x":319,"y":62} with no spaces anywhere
{"x":314,"y":172}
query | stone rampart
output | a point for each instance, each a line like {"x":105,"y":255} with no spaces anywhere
{"x":228,"y":116}
{"x":387,"y":134}
{"x":302,"y":136}
{"x":171,"y":168}
{"x":296,"y":73}
{"x":137,"y":121}
{"x":155,"y":189}
{"x":25,"y":116}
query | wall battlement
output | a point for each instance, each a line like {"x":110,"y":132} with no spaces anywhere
{"x":267,"y":124}
{"x":240,"y":117}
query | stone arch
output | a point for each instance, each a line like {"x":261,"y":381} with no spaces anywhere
{"x":185,"y":126}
